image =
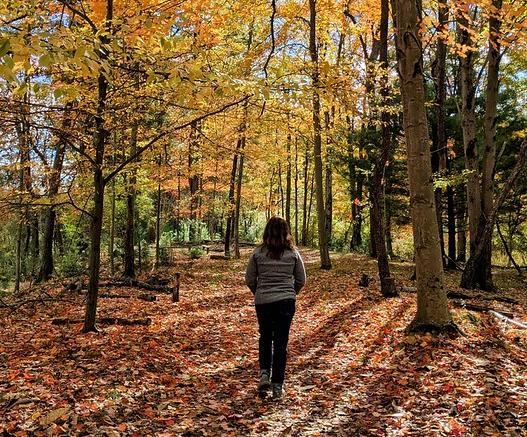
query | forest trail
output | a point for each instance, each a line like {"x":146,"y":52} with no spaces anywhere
{"x":351,"y":369}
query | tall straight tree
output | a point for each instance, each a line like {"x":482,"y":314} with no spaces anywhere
{"x":325,"y":261}
{"x":432,"y":302}
{"x":482,"y":277}
{"x":378,"y":225}
{"x":99,"y":144}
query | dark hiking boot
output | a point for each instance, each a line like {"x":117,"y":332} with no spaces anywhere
{"x":278,"y":390}
{"x":265,"y":382}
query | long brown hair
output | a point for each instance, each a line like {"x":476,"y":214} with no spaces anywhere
{"x":277,"y":237}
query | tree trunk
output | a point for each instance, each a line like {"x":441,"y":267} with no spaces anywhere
{"x":111,"y":245}
{"x":288,"y":182}
{"x":239,"y":186}
{"x":439,"y":155}
{"x":158,"y":215}
{"x":483,"y":275}
{"x":461,"y":208}
{"x":432,"y":303}
{"x":484,"y":266}
{"x":230,"y":212}
{"x":296,"y":190}
{"x":377,"y":224}
{"x":470,"y":278}
{"x":99,"y":143}
{"x":329,"y":179}
{"x":451,"y":214}
{"x":193,"y":179}
{"x":468,"y":124}
{"x":325,"y":261}
{"x":304,"y":203}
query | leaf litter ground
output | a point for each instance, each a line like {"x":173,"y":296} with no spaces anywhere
{"x":352,"y":370}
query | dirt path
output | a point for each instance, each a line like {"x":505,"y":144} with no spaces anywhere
{"x":351,"y":370}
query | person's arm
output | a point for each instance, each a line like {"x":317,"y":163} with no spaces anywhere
{"x":251,"y":274}
{"x":299,"y":273}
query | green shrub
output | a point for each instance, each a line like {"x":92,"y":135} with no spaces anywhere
{"x":196,"y":252}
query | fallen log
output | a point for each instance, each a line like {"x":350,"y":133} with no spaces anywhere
{"x":137,"y":284}
{"x":460,"y":295}
{"x":142,"y":296}
{"x":506,"y":319}
{"x":222,"y":257}
{"x":105,"y":321}
{"x":479,"y":308}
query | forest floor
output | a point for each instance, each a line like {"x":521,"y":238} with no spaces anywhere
{"x":352,"y":370}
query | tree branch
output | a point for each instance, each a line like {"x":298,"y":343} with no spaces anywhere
{"x":154,"y":140}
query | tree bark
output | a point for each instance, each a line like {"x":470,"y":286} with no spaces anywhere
{"x":193,"y":179}
{"x":329,"y":178}
{"x":439,"y":155}
{"x":305,"y":215}
{"x":288,"y":182}
{"x":468,"y":124}
{"x":99,"y":143}
{"x":325,"y":261}
{"x":47,"y":264}
{"x":469,"y":278}
{"x":378,"y":178}
{"x":432,"y":303}
{"x":230,"y":212}
{"x":484,"y":267}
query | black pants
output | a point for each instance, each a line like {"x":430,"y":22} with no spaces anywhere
{"x":274,"y":321}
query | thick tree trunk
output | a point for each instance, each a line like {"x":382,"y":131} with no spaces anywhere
{"x":432,"y":302}
{"x":325,"y":261}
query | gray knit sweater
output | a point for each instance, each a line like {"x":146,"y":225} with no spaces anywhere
{"x":272,"y":280}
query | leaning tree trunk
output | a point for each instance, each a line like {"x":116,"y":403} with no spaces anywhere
{"x":325,"y":261}
{"x":470,"y":275}
{"x":432,"y":302}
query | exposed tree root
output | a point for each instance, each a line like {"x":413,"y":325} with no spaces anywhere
{"x":450,"y":329}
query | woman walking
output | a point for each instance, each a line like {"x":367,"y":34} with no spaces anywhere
{"x":275,"y":274}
